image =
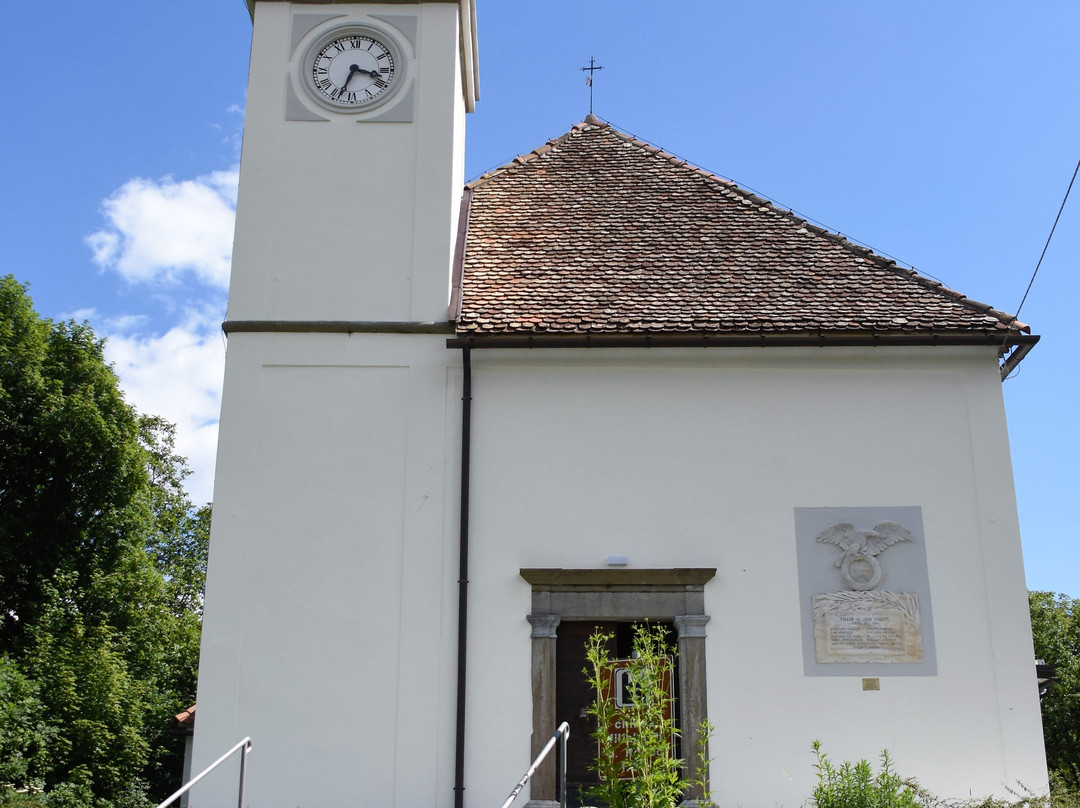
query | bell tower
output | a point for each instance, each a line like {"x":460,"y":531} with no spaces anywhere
{"x":352,"y":161}
{"x":333,"y":547}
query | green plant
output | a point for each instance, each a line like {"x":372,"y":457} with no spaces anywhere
{"x":10,"y":798}
{"x":854,"y":785}
{"x":1062,"y":795}
{"x":701,"y":778}
{"x":1019,"y":797}
{"x":636,"y":742}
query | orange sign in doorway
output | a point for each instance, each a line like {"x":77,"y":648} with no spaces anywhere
{"x":619,"y":690}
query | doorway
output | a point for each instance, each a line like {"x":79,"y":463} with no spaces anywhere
{"x":567,"y":604}
{"x":573,"y":695}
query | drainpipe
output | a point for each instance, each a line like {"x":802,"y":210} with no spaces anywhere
{"x":463,"y":576}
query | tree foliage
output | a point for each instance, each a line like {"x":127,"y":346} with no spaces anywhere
{"x":71,"y":457}
{"x":102,"y":562}
{"x":1055,"y":627}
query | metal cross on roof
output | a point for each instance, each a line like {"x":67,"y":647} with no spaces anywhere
{"x":592,"y":68}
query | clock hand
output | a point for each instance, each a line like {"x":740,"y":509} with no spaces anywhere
{"x":354,"y":69}
{"x":357,"y":69}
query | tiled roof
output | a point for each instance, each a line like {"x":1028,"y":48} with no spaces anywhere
{"x":187,"y":717}
{"x":597,"y":233}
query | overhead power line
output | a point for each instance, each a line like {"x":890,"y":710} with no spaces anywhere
{"x":1045,"y":246}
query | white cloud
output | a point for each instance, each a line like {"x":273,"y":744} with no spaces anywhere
{"x":176,"y":375}
{"x":80,"y":314}
{"x":174,"y":239}
{"x":160,"y":230}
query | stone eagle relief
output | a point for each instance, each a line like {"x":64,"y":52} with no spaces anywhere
{"x":859,"y":565}
{"x":861,"y":624}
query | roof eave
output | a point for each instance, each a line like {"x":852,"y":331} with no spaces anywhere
{"x":815,"y":338}
{"x":1021,"y":344}
{"x":744,"y":339}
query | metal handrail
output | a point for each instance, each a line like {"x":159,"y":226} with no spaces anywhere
{"x":561,"y":735}
{"x":245,"y":745}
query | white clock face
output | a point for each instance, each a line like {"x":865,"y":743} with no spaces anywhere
{"x":353,"y":70}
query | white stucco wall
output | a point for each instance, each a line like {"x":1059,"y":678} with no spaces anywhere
{"x":330,"y":598}
{"x":331,"y":605}
{"x":698,"y":459}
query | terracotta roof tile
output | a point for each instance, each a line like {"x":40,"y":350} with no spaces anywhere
{"x":599,"y":233}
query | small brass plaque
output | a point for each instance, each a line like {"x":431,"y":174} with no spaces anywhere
{"x":871,"y":684}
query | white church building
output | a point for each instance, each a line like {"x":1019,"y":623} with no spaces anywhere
{"x":463,"y":425}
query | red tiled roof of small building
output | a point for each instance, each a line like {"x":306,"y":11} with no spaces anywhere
{"x":187,"y":717}
{"x":597,"y":233}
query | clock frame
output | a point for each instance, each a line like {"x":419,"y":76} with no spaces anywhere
{"x":353,"y":68}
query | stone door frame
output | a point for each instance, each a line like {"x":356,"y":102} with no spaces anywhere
{"x":676,"y":595}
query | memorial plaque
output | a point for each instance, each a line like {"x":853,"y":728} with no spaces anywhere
{"x":867,"y":627}
{"x":865,"y":592}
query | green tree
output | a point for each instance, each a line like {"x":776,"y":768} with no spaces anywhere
{"x":72,"y":463}
{"x":24,"y":733}
{"x":180,"y":535}
{"x":1055,"y":627}
{"x":102,"y":563}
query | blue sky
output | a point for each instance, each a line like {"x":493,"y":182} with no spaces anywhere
{"x":942,"y":134}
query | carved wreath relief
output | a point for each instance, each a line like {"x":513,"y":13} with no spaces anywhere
{"x":861,"y":624}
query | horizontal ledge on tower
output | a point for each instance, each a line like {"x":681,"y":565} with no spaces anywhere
{"x":335,"y":327}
